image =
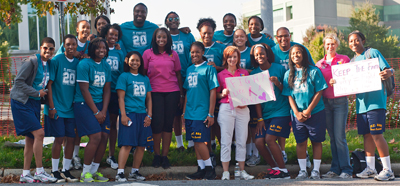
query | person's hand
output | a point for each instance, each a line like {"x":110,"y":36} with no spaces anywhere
{"x":100,"y":117}
{"x":210,"y":121}
{"x":268,"y":36}
{"x":117,"y":47}
{"x":147,"y":121}
{"x":42,"y":93}
{"x":91,"y":37}
{"x":225,"y":92}
{"x":242,"y":107}
{"x":385,"y":74}
{"x":260,"y":127}
{"x":77,"y":55}
{"x":306,"y":114}
{"x":332,"y":81}
{"x":125,"y":119}
{"x":212,"y":64}
{"x":185,"y":30}
{"x":219,"y":42}
{"x":183,"y":119}
{"x":52,"y":113}
{"x":181,"y":102}
{"x":300,"y":117}
{"x":85,"y":56}
{"x":275,"y":80}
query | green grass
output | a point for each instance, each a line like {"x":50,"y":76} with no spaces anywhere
{"x":13,"y":157}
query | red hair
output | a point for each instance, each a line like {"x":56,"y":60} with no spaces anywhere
{"x":228,"y":52}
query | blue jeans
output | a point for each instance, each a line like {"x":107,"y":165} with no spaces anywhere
{"x":336,"y":118}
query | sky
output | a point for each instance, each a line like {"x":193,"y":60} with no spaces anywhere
{"x":189,"y":11}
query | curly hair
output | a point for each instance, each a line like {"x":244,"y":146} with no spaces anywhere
{"x":304,"y":65}
{"x":94,"y":44}
{"x":268,"y":51}
{"x":206,"y":22}
{"x":105,"y":29}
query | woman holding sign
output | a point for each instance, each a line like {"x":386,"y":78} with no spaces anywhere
{"x":336,"y":109}
{"x":303,"y":84}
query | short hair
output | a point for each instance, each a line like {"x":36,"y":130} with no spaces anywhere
{"x":229,"y":14}
{"x":94,"y":44}
{"x":230,"y":50}
{"x":247,"y":42}
{"x":101,"y":17}
{"x":141,"y":5}
{"x":105,"y":29}
{"x":333,"y":37}
{"x":200,"y":45}
{"x":48,"y":40}
{"x":166,"y":17}
{"x":71,"y":37}
{"x":268,"y":51}
{"x":359,"y":34}
{"x":256,"y":17}
{"x":283,"y":28}
{"x":126,"y":61}
{"x":79,"y":22}
{"x":167,"y":47}
{"x":206,"y":22}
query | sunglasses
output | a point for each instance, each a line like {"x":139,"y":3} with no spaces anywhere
{"x":172,"y":19}
{"x":48,"y":48}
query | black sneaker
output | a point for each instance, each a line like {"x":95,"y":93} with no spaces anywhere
{"x":165,"y":163}
{"x":67,"y":176}
{"x":57,"y":175}
{"x":156,"y":161}
{"x":280,"y":175}
{"x":210,"y":173}
{"x":270,"y":173}
{"x":197,"y":175}
{"x":213,"y":159}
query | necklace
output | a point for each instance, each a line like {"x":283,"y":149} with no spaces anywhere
{"x":209,"y":48}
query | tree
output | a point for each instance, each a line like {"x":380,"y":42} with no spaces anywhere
{"x":5,"y":62}
{"x":242,"y":24}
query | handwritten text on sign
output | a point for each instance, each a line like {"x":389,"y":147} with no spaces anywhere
{"x":250,"y":90}
{"x":356,"y":77}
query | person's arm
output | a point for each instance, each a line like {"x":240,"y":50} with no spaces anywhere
{"x":52,"y":109}
{"x":314,"y":102}
{"x":149,"y":106}
{"x":106,"y":97}
{"x":260,"y":123}
{"x":185,"y":30}
{"x":20,"y":80}
{"x":84,"y":87}
{"x":184,"y":109}
{"x":180,"y":83}
{"x":211,"y":109}
{"x":276,"y":82}
{"x":299,"y":115}
{"x":121,"y":103}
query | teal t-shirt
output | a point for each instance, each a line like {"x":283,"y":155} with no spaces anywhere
{"x":264,"y":39}
{"x":63,"y":75}
{"x":181,"y":45}
{"x":137,"y":39}
{"x":220,"y":36}
{"x":42,"y":76}
{"x":280,"y":107}
{"x":282,"y":57}
{"x":136,"y":87}
{"x":303,"y":93}
{"x":245,"y":62}
{"x":199,"y":81}
{"x":215,"y":53}
{"x":116,"y":61}
{"x":88,"y":71}
{"x":372,"y":100}
{"x":61,"y":50}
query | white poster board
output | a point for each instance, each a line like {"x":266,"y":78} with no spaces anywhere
{"x":250,"y":90}
{"x":356,"y":77}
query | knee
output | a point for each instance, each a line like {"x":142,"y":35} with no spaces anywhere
{"x":95,"y":138}
{"x":259,"y":142}
{"x":58,"y":141}
{"x":39,"y":134}
{"x":270,"y":140}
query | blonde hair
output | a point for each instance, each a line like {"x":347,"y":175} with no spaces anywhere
{"x":333,"y":37}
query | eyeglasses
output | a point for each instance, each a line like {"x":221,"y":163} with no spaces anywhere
{"x":173,"y":18}
{"x":48,"y":48}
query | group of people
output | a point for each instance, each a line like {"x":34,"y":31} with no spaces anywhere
{"x":157,"y":79}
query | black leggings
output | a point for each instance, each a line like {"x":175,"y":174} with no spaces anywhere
{"x":165,"y":105}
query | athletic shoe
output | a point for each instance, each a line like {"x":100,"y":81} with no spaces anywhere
{"x":58,"y":176}
{"x":308,"y":164}
{"x":87,"y":177}
{"x":302,"y":175}
{"x":213,"y":159}
{"x":165,"y":162}
{"x":315,"y":175}
{"x":213,"y":146}
{"x":270,"y":173}
{"x":197,"y":175}
{"x":156,"y":161}
{"x":285,"y":157}
{"x":26,"y":179}
{"x":190,"y":149}
{"x":226,"y":175}
{"x":77,"y":162}
{"x":210,"y":173}
{"x":367,"y":173}
{"x":67,"y":176}
{"x":330,"y":174}
{"x":181,"y":149}
{"x":111,"y":161}
{"x":280,"y":175}
{"x":248,"y":157}
{"x":245,"y":176}
{"x":345,"y":176}
{"x":98,"y":177}
{"x":44,"y":177}
{"x":120,"y":177}
{"x":136,"y":176}
{"x":253,"y":161}
{"x":385,"y":175}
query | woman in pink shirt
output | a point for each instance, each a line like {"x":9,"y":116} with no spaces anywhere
{"x":232,"y":119}
{"x":336,"y":111}
{"x":162,"y":66}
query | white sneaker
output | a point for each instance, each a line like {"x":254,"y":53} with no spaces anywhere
{"x":77,"y":162}
{"x":245,"y":176}
{"x":330,"y":174}
{"x":136,"y":176}
{"x":315,"y":175}
{"x":44,"y":177}
{"x":385,"y":175}
{"x":302,"y":175}
{"x":120,"y":177}
{"x":26,"y":179}
{"x":226,"y":175}
{"x":111,"y":161}
{"x":344,"y":175}
{"x":253,"y":161}
{"x":367,"y":173}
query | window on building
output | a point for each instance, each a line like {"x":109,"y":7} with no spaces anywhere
{"x":278,"y":15}
{"x":289,"y":13}
{"x":10,"y":34}
{"x":37,"y":28}
{"x":391,"y":13}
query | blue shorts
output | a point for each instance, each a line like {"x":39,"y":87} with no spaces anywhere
{"x":60,"y":127}
{"x":113,"y":106}
{"x":136,"y":134}
{"x":313,"y":128}
{"x":197,"y":131}
{"x":371,"y":122}
{"x":26,"y":116}
{"x":278,"y":126}
{"x":86,"y":122}
{"x":253,"y":117}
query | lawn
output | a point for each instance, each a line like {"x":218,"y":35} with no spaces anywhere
{"x":13,"y":157}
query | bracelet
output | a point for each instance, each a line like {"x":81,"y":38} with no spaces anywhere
{"x":98,"y":111}
{"x":39,"y":94}
{"x":52,"y":108}
{"x":392,"y":70}
{"x":209,"y":115}
{"x":183,"y":115}
{"x":182,"y":96}
{"x":260,"y":119}
{"x":149,"y":117}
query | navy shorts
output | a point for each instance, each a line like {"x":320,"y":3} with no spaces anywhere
{"x":371,"y":122}
{"x":26,"y":116}
{"x":313,"y":128}
{"x":278,"y":126}
{"x":113,"y":106}
{"x":86,"y":122}
{"x":136,"y":134}
{"x":197,"y":131}
{"x":59,"y":127}
{"x":253,"y":117}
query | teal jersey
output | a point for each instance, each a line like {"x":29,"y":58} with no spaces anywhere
{"x":181,"y":45}
{"x":280,"y":107}
{"x":376,"y":99}
{"x":137,"y":39}
{"x":199,"y":81}
{"x":63,"y":75}
{"x":245,"y":61}
{"x":215,"y":53}
{"x":225,"y":39}
{"x":61,"y":50}
{"x":282,"y":57}
{"x":42,"y":76}
{"x":136,"y":87}
{"x":303,"y":93}
{"x":96,"y":74}
{"x":264,"y":39}
{"x":116,"y":61}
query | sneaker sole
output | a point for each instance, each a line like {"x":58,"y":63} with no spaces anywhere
{"x":389,"y":179}
{"x":71,"y":180}
{"x":101,"y":181}
{"x":285,"y":178}
{"x":366,"y":177}
{"x":86,"y":181}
